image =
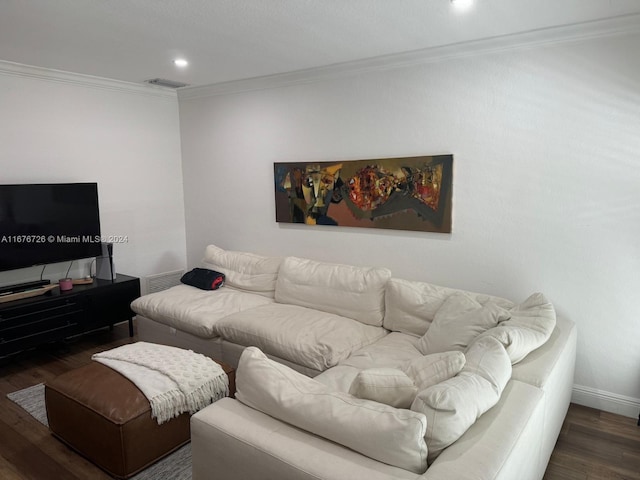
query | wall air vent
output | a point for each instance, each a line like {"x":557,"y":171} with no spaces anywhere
{"x":161,"y":82}
{"x":161,"y":281}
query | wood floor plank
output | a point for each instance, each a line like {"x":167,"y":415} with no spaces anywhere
{"x":596,"y":445}
{"x":8,"y":471}
{"x":27,"y":457}
{"x":37,"y":435}
{"x":604,"y":421}
{"x":564,"y":469}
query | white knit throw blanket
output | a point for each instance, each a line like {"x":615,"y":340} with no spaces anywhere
{"x":173,"y":379}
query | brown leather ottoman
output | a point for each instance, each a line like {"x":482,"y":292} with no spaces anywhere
{"x":106,"y":418}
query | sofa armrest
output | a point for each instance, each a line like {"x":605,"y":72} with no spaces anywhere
{"x":502,"y":445}
{"x":238,"y":442}
{"x":233,"y":441}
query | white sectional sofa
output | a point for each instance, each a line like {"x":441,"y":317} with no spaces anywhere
{"x":355,"y":374}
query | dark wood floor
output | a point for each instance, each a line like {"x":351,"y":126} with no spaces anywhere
{"x":596,"y":445}
{"x":27,"y":450}
{"x":593,"y":445}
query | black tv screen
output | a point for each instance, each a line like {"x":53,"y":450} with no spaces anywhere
{"x":48,"y":223}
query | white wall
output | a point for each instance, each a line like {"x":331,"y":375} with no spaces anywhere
{"x":58,"y":127}
{"x":546,"y":181}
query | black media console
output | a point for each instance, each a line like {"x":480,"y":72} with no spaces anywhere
{"x":58,"y":315}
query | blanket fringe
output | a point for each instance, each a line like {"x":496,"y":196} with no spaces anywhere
{"x":173,"y":403}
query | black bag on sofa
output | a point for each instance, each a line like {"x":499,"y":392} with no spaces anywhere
{"x":203,"y":279}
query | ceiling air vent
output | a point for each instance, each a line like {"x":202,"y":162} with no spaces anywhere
{"x":161,"y":82}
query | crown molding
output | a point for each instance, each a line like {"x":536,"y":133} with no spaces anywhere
{"x":615,"y":26}
{"x":88,"y":81}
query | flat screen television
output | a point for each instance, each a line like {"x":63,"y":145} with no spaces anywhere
{"x":48,"y":223}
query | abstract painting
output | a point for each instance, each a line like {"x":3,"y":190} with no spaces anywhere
{"x":410,"y":193}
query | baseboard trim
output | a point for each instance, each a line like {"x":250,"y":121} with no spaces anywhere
{"x":606,"y":401}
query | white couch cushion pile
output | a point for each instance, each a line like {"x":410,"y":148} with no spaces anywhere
{"x":389,"y":435}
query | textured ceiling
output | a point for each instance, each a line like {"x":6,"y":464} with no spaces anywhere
{"x":228,"y":40}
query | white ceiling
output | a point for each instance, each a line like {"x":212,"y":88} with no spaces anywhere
{"x":228,"y":40}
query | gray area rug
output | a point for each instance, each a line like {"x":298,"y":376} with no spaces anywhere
{"x":176,"y":466}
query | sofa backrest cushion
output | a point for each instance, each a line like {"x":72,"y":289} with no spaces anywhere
{"x":428,"y":370}
{"x":244,"y":271}
{"x":389,"y":435}
{"x":349,"y":291}
{"x":452,"y":406}
{"x":458,"y":322}
{"x":530,"y":326}
{"x":385,"y":385}
{"x":411,"y":306}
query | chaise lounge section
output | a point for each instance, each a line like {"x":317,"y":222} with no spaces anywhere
{"x":322,"y":331}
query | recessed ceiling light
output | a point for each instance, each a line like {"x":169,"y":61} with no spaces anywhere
{"x":462,"y":4}
{"x":180,"y":62}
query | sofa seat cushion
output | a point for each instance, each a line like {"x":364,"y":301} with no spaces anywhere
{"x":245,"y":271}
{"x":387,"y":434}
{"x":307,"y":337}
{"x":349,"y":291}
{"x":195,"y":311}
